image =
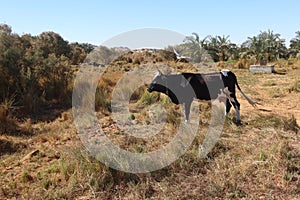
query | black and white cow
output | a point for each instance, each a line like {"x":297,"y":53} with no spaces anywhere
{"x":183,"y":88}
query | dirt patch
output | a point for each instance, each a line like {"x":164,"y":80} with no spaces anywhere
{"x":272,"y":92}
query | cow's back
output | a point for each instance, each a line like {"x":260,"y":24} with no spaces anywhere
{"x":208,"y":86}
{"x":229,"y":80}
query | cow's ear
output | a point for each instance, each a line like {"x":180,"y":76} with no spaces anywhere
{"x":168,"y":72}
{"x":163,"y":77}
{"x":159,"y":72}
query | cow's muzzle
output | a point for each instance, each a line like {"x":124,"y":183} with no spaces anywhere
{"x":150,"y":88}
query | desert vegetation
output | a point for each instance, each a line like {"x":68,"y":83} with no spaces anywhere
{"x":42,"y":156}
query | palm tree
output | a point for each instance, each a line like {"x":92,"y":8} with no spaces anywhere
{"x":295,"y":45}
{"x":253,"y":47}
{"x":266,"y":46}
{"x":211,"y":46}
{"x":274,"y":45}
{"x":220,"y":47}
{"x":194,"y":47}
{"x":195,"y":40}
{"x":224,"y":46}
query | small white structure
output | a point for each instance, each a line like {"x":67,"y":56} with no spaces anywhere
{"x":262,"y":69}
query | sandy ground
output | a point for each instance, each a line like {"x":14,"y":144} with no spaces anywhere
{"x":273,"y":94}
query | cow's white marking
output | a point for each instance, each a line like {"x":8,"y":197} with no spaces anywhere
{"x":185,"y":82}
{"x":156,"y":75}
{"x":238,"y":115}
{"x":222,"y":96}
{"x":225,"y":71}
{"x":227,"y":92}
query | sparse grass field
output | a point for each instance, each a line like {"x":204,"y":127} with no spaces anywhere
{"x":45,"y":159}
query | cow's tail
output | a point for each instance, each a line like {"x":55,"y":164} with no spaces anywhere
{"x":253,"y":103}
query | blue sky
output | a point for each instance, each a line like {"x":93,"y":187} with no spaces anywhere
{"x":97,"y":21}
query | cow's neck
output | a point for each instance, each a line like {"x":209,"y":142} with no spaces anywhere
{"x":170,"y":94}
{"x":164,"y":89}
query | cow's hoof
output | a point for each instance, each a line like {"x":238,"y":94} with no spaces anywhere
{"x":238,"y":122}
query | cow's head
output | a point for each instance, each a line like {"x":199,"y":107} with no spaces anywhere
{"x":158,"y":83}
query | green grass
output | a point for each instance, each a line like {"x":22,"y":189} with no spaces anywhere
{"x":269,"y":83}
{"x":149,"y":98}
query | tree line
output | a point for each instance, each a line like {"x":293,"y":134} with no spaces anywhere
{"x":267,"y":45}
{"x":36,"y":70}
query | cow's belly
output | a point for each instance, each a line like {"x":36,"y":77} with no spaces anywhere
{"x":210,"y":92}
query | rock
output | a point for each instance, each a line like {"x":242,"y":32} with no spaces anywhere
{"x":30,"y":155}
{"x":262,"y":69}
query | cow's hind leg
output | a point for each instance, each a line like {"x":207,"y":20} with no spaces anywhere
{"x":236,"y":106}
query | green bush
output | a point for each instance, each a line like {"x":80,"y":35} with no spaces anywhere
{"x":37,"y":69}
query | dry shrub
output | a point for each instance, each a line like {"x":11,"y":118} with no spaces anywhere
{"x":8,"y":147}
{"x":287,"y":124}
{"x":167,"y":55}
{"x":284,"y":65}
{"x":107,"y":82}
{"x":137,"y":94}
{"x":295,"y":87}
{"x":297,"y":64}
{"x":149,"y":98}
{"x":221,"y":65}
{"x":10,"y":124}
{"x":262,"y":121}
{"x":3,"y":113}
{"x":173,"y":117}
{"x":65,"y":116}
{"x":102,"y":99}
{"x":7,"y":122}
{"x":26,"y":127}
{"x":290,"y":159}
{"x":138,"y":59}
{"x":291,"y":124}
{"x":129,"y":60}
{"x":31,"y":103}
{"x":80,"y":166}
{"x":158,"y":59}
{"x":242,"y":64}
{"x":7,"y":125}
{"x":298,"y":56}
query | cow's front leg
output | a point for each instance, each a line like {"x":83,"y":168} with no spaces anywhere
{"x":227,"y":107}
{"x":187,"y":108}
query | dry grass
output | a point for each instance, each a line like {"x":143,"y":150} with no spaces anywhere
{"x":7,"y":121}
{"x":257,"y":160}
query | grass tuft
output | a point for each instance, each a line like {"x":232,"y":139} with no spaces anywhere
{"x":149,"y":98}
{"x":291,"y":124}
